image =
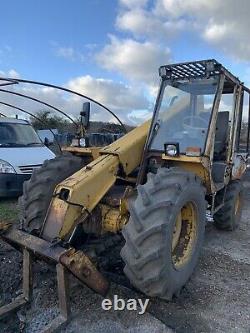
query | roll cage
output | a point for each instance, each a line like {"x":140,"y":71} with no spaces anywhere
{"x":227,"y":84}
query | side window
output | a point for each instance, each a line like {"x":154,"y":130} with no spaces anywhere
{"x":243,"y":141}
{"x":224,"y":126}
{"x":227,"y":104}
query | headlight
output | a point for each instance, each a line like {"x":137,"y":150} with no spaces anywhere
{"x":82,"y":142}
{"x":5,"y":167}
{"x":171,"y":149}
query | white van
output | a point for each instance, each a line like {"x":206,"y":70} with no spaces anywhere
{"x":21,"y":151}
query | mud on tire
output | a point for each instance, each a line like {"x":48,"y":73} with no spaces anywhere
{"x":38,"y":190}
{"x":228,"y":217}
{"x":148,"y":251}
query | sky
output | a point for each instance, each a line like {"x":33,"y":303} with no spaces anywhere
{"x":111,"y":49}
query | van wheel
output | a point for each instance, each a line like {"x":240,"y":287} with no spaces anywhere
{"x":38,"y":190}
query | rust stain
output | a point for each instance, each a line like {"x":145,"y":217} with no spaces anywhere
{"x":82,"y":268}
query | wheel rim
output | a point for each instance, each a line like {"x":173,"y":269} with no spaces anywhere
{"x":177,"y":231}
{"x":237,"y":205}
{"x":184,"y":235}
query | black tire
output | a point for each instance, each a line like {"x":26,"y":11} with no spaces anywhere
{"x":228,"y":217}
{"x":38,"y":190}
{"x":147,"y":252}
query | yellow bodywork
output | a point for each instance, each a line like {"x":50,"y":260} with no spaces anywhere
{"x":200,"y":165}
{"x":88,"y":186}
{"x":93,"y":152}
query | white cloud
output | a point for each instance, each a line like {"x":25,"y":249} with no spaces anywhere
{"x":120,"y":98}
{"x":135,"y":60}
{"x":133,"y":3}
{"x":178,"y":8}
{"x":67,"y":52}
{"x":223,"y":24}
{"x":70,"y":53}
{"x":144,"y":23}
{"x":12,"y":73}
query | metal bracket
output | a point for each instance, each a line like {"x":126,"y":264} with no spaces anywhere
{"x":63,"y":294}
{"x":27,"y":287}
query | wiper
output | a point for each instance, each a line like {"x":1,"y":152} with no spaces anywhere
{"x":33,"y":144}
{"x":154,"y":131}
{"x":156,"y":128}
{"x":11,"y":144}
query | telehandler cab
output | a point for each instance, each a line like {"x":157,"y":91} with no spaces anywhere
{"x":148,"y":193}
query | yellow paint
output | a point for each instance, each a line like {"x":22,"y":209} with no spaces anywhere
{"x":184,"y":235}
{"x":88,"y":186}
{"x":200,"y":165}
{"x":91,"y":151}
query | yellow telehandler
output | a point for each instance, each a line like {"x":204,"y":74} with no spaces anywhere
{"x":149,"y":192}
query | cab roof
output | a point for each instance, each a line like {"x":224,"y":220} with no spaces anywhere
{"x":199,"y":70}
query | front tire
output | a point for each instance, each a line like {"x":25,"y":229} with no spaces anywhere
{"x":38,"y":190}
{"x":165,"y":232}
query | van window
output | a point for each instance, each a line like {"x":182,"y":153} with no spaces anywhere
{"x":18,"y":135}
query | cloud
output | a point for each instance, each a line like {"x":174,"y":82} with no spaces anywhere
{"x":180,"y":8}
{"x":70,"y":53}
{"x":12,"y":73}
{"x":134,"y":60}
{"x":143,"y":23}
{"x":223,"y":24}
{"x":121,"y":98}
{"x":67,"y":52}
{"x":133,"y":3}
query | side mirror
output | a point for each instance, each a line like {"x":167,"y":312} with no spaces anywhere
{"x":85,"y":114}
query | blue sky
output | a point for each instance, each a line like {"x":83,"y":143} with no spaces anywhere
{"x":111,"y":49}
{"x":33,"y":31}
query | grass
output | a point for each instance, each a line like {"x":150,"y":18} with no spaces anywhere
{"x":8,"y":210}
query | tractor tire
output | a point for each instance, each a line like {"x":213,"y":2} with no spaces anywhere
{"x":38,"y":190}
{"x":228,"y":217}
{"x":164,"y":235}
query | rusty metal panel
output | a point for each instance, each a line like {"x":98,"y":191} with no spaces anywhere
{"x":85,"y":189}
{"x":36,"y":245}
{"x":239,"y":166}
{"x":75,"y":261}
{"x":90,"y":151}
{"x":82,"y":268}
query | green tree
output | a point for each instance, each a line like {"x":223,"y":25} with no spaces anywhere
{"x":49,"y":120}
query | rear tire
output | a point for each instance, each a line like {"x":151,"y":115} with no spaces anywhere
{"x":228,"y":217}
{"x":38,"y":190}
{"x":152,"y":248}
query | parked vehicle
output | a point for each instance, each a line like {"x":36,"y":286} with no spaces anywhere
{"x":21,"y":151}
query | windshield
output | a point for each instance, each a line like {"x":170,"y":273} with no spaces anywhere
{"x":183,"y":114}
{"x":18,"y":135}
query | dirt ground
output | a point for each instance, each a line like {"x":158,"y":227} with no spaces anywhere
{"x":216,"y":299}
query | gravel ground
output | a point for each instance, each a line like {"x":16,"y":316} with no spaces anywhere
{"x":216,"y":299}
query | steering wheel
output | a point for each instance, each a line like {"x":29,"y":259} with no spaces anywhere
{"x":197,"y":123}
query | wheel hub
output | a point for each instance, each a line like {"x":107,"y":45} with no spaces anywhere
{"x":184,"y":235}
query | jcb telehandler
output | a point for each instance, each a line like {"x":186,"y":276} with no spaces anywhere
{"x":149,"y":191}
